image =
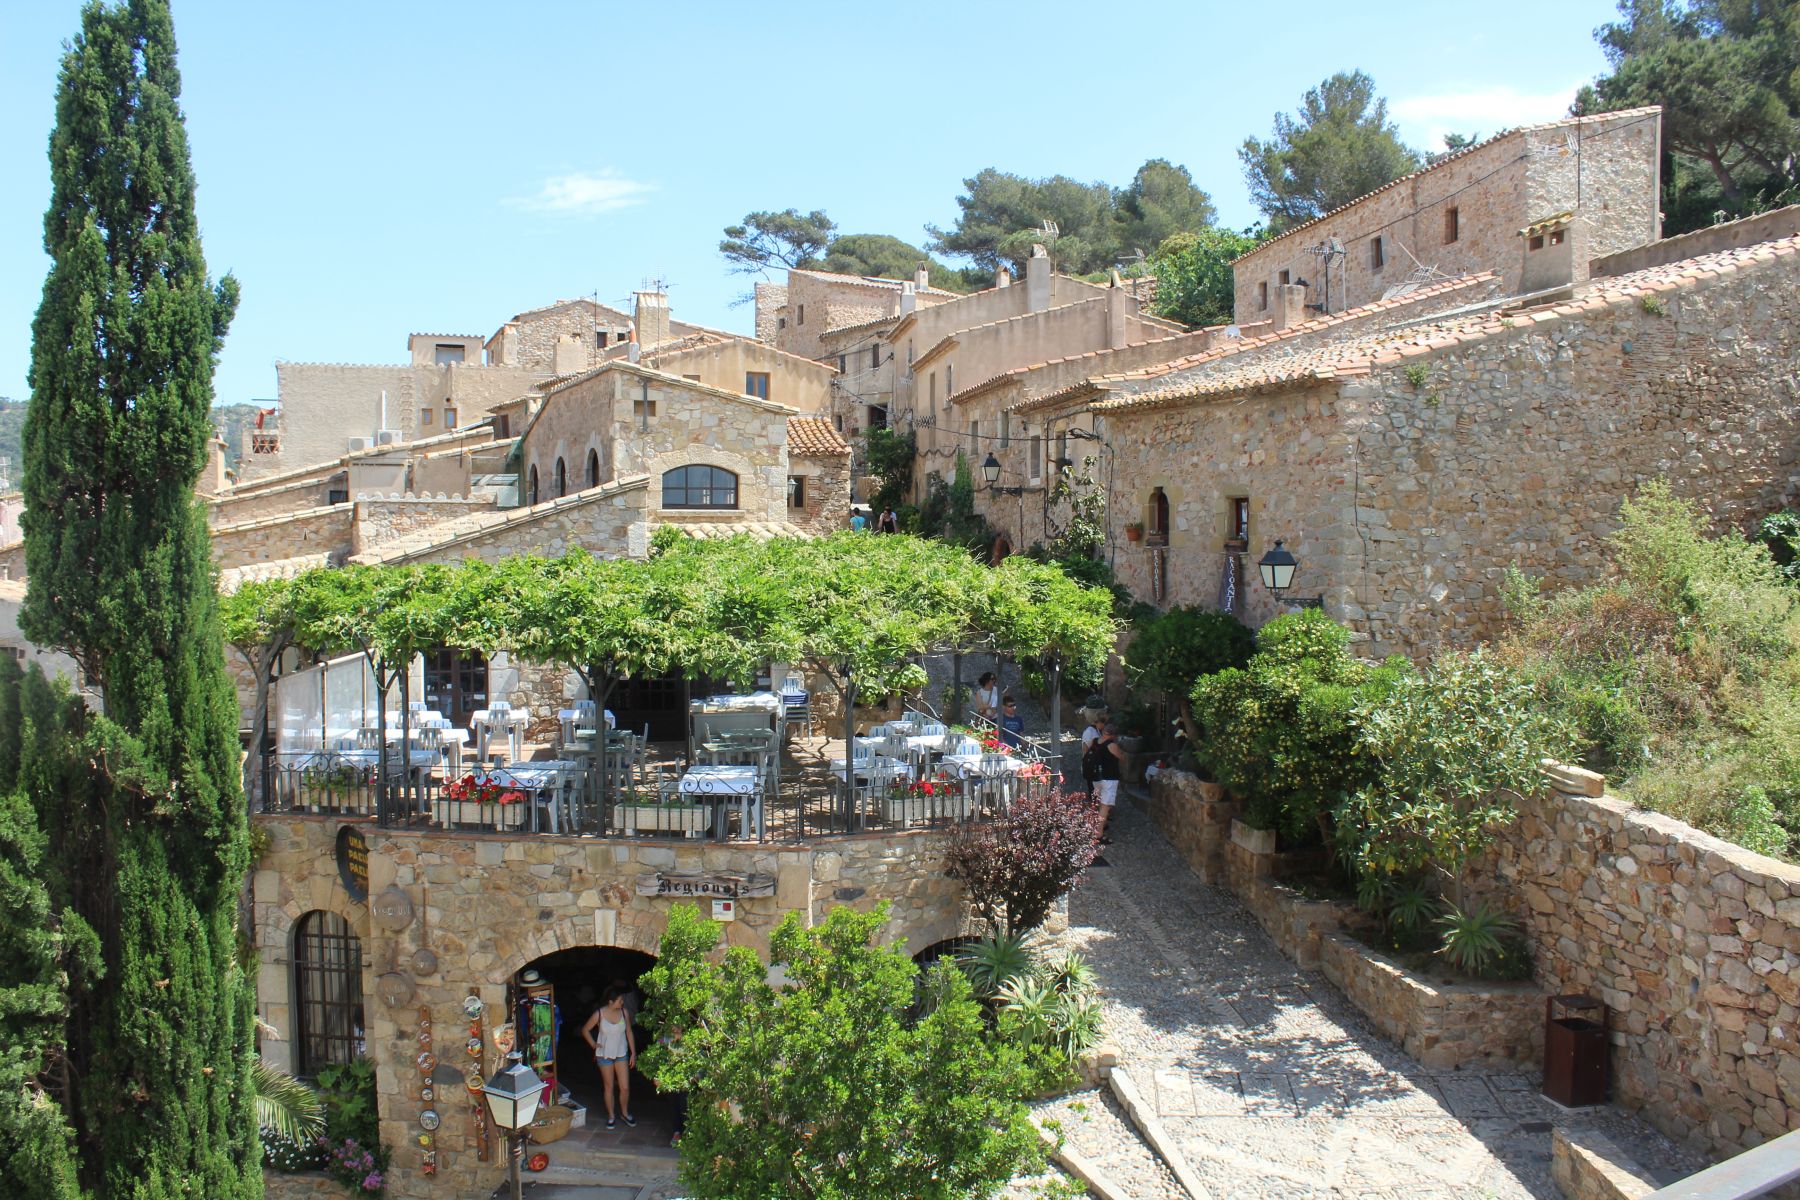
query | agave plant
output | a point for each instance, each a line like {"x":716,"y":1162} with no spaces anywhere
{"x":1075,"y":1022}
{"x":284,"y":1105}
{"x":1032,"y":1004}
{"x":1474,"y":937}
{"x":1068,"y":974}
{"x":1410,"y":907}
{"x":994,"y":960}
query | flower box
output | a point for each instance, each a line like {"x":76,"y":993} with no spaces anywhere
{"x":904,"y":809}
{"x":472,"y":812}
{"x":690,"y":819}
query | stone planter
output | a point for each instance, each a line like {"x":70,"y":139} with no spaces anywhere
{"x":1256,"y":841}
{"x":1443,"y":1025}
{"x":689,"y":819}
{"x":451,"y":813}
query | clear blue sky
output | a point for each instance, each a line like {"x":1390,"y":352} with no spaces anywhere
{"x":376,"y":168}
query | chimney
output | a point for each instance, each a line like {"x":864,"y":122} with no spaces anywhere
{"x":652,"y":319}
{"x":909,"y":299}
{"x":1002,"y":278}
{"x":1290,"y":305}
{"x":922,"y":276}
{"x":570,"y":355}
{"x":633,"y":351}
{"x":1118,"y":313}
{"x":1037,"y":280}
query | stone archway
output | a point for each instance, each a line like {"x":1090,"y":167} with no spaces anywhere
{"x":1001,"y":550}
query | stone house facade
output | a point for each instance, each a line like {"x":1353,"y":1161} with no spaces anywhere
{"x":449,"y":916}
{"x":1465,"y":214}
{"x":796,"y":316}
{"x":1407,"y":465}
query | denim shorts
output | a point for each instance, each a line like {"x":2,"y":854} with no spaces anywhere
{"x":607,"y":1062}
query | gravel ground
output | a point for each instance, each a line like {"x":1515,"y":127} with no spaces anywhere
{"x":1272,"y":1084}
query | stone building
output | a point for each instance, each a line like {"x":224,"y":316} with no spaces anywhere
{"x":1408,"y":458}
{"x":797,"y":315}
{"x":1593,"y":182}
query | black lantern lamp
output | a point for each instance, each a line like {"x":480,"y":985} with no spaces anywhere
{"x":1277,"y":568}
{"x":990,"y":471}
{"x":512,"y":1098}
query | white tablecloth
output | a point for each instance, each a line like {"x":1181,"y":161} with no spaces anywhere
{"x":767,"y":701}
{"x":719,"y":781}
{"x":897,"y":767}
{"x":971,"y":764}
{"x":533,"y":777}
{"x":365,"y":758}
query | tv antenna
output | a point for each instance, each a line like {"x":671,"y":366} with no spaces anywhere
{"x":1327,"y":252}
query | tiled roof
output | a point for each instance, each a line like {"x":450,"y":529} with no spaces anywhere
{"x":233,"y":578}
{"x":994,"y":381}
{"x":1559,"y":220}
{"x":1445,"y":161}
{"x":815,"y":435}
{"x":466,"y":337}
{"x":1270,"y":343}
{"x":872,"y":281}
{"x":1360,"y":354}
{"x":875,"y":324}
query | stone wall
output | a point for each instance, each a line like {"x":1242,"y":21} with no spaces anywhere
{"x":794,"y":381}
{"x":488,"y":905}
{"x":827,"y":507}
{"x":1765,"y":227}
{"x":606,"y":521}
{"x":311,"y":531}
{"x":312,"y":492}
{"x":380,"y":520}
{"x":1692,"y":943}
{"x":304,"y":1185}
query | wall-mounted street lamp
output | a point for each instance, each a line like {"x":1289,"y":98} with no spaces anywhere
{"x":990,"y":471}
{"x":1277,"y":568}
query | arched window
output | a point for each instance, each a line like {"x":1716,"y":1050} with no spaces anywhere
{"x":593,"y":470}
{"x":562,"y":479}
{"x":328,"y":995}
{"x":699,"y":487}
{"x":1158,"y":524}
{"x":531,"y":495}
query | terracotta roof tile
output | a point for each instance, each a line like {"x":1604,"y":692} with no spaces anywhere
{"x":815,"y":435}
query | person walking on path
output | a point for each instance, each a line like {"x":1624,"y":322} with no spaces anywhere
{"x":1089,"y":736}
{"x":1102,"y":762}
{"x":608,"y":1031}
{"x":858,"y":522}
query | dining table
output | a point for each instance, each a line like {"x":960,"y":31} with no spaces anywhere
{"x":724,"y":785}
{"x":543,"y":780}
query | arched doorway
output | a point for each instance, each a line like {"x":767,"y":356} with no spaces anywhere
{"x":576,"y":979}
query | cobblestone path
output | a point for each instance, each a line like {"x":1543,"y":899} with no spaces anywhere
{"x":1274,"y":1086}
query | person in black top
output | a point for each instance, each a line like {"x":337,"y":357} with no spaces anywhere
{"x":1101,"y":763}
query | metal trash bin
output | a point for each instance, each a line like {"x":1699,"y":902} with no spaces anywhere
{"x":1575,"y":1050}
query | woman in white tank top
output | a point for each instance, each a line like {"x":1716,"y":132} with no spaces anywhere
{"x":608,"y":1031}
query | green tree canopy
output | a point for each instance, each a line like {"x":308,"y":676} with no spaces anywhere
{"x":145,"y":836}
{"x":882,"y":256}
{"x":767,"y":240}
{"x":827,"y":1086}
{"x":1002,"y":214}
{"x":1173,"y":650}
{"x":1727,"y":75}
{"x":1194,"y":280}
{"x":1340,"y":145}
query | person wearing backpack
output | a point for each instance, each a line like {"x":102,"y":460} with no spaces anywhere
{"x":1107,"y":757}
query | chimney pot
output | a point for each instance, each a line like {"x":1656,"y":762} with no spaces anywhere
{"x":922,"y":276}
{"x":909,"y":299}
{"x":1002,"y":278}
{"x":1037,"y":280}
{"x":652,"y":319}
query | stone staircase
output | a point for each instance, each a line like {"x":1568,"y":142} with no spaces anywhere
{"x":639,"y":1173}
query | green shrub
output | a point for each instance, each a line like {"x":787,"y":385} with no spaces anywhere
{"x":1279,"y":731}
{"x":1779,"y":533}
{"x":1172,"y":651}
{"x":1453,"y":747}
{"x":1680,"y":672}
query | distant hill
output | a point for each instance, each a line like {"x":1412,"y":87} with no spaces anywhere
{"x":231,"y":419}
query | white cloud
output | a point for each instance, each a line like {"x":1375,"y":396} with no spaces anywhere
{"x":1424,"y":120}
{"x":585,"y":194}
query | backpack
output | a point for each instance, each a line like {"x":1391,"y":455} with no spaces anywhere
{"x":1093,"y":759}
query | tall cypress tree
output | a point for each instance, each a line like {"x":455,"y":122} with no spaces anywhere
{"x":146,"y":835}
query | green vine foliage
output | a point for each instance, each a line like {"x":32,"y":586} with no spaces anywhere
{"x":888,"y":455}
{"x":1780,"y":533}
{"x":1280,"y":732}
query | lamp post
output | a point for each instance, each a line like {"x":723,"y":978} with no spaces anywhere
{"x":990,"y":471}
{"x":512,"y":1096}
{"x":1277,"y":568}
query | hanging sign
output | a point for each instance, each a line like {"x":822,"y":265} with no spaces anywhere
{"x":392,"y":910}
{"x":723,"y":887}
{"x":353,"y":862}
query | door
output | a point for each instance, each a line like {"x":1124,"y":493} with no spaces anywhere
{"x":658,"y":703}
{"x":456,"y":684}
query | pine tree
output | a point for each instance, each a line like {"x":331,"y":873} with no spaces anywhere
{"x":146,"y":836}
